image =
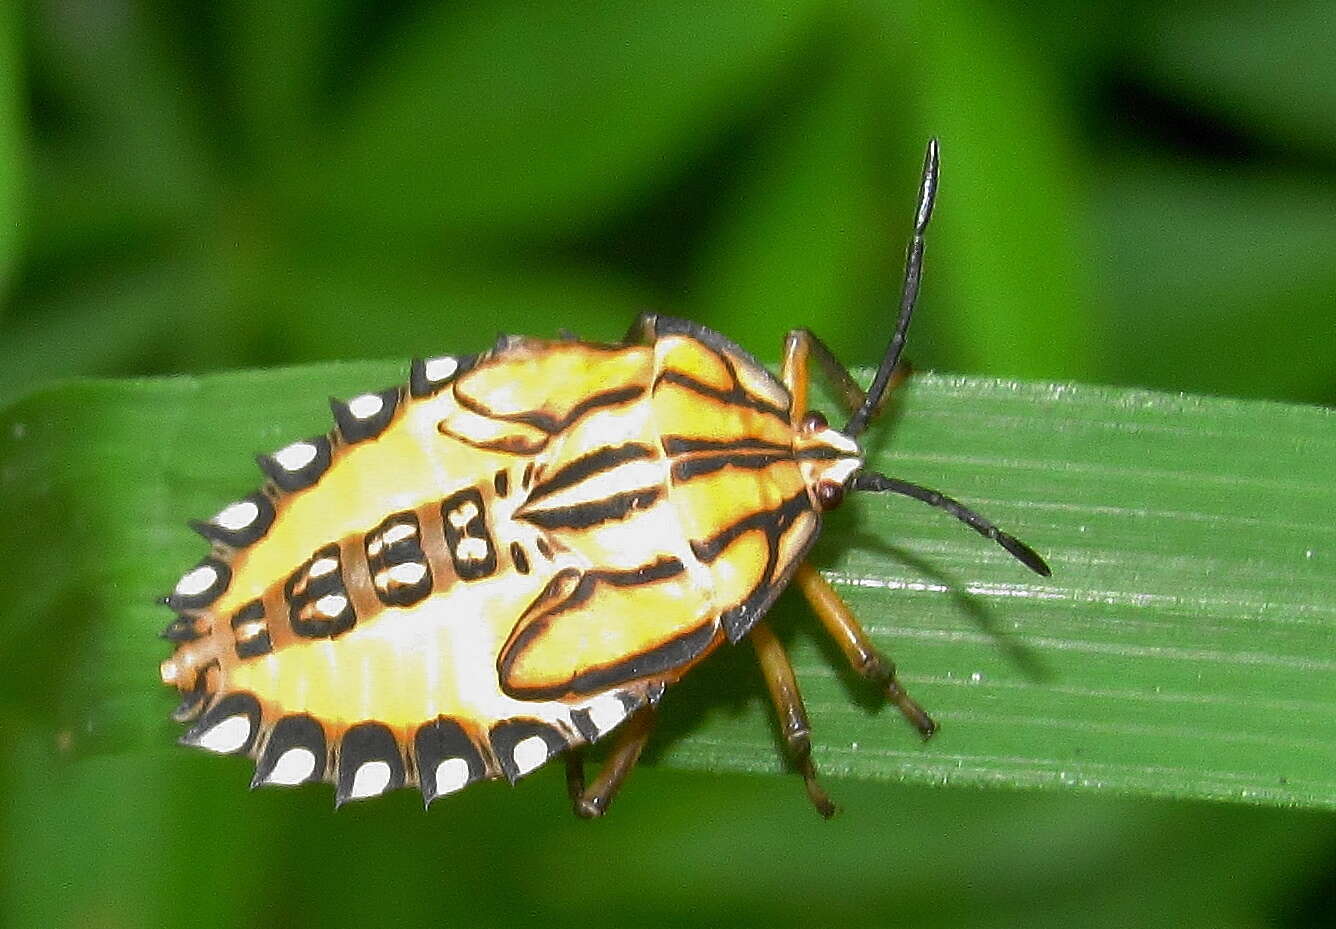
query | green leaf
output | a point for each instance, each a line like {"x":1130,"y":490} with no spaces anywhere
{"x":1183,"y":646}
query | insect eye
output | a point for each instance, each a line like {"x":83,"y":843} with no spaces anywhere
{"x":829,"y":494}
{"x":814,"y":422}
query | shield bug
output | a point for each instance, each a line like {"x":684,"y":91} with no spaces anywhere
{"x":513,"y":554}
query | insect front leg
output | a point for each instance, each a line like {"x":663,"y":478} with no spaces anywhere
{"x":801,"y":347}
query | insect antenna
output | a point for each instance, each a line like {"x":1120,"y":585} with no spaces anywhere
{"x":908,"y":296}
{"x":870,"y":480}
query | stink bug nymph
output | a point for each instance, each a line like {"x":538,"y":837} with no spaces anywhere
{"x":515,"y":553}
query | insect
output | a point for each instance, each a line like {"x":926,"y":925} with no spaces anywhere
{"x":514,"y":554}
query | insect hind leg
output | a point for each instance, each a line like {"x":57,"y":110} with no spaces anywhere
{"x":785,"y":695}
{"x":593,"y":801}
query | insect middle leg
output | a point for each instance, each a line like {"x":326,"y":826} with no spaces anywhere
{"x":835,"y":615}
{"x":863,"y":656}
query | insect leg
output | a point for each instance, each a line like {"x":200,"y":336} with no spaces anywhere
{"x":800,"y":347}
{"x":841,"y":625}
{"x":641,"y":331}
{"x":627,"y":745}
{"x":575,"y":774}
{"x":788,"y":701}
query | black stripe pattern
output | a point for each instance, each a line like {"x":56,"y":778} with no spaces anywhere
{"x":587,"y":466}
{"x":593,"y":512}
{"x":686,"y":469}
{"x":734,"y":397}
{"x":546,"y":422}
{"x":738,"y":620}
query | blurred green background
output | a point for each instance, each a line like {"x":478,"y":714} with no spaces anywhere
{"x":1140,"y":194}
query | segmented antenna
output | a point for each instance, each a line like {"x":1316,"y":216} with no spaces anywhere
{"x":870,"y":480}
{"x":908,"y":296}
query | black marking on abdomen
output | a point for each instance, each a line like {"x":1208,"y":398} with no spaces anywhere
{"x":464,"y":520}
{"x":515,"y":744}
{"x":319,"y":606}
{"x":365,"y":744}
{"x":299,"y":465}
{"x":366,"y":416}
{"x":237,"y":704}
{"x":250,"y":631}
{"x":200,"y":586}
{"x":300,"y":733}
{"x":444,"y":741}
{"x":400,"y":572}
{"x":239,"y":524}
{"x":517,"y":556}
{"x":501,"y":481}
{"x":182,"y":629}
{"x":592,"y":513}
{"x":584,"y":721}
{"x":194,"y":700}
{"x":586,"y":466}
{"x":426,"y":378}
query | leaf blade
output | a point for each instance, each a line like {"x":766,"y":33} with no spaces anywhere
{"x":1182,"y":647}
